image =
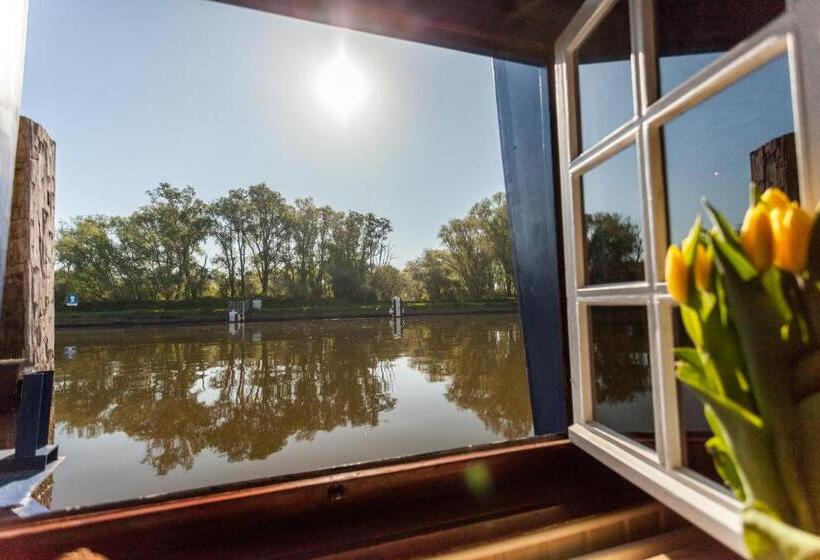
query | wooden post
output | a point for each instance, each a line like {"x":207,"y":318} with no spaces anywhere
{"x":27,"y":320}
{"x":774,"y":164}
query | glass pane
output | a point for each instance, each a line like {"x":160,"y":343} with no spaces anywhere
{"x":605,"y":77}
{"x":620,"y":370}
{"x":743,"y":133}
{"x":693,"y":33}
{"x":692,"y":420}
{"x":612,"y":220}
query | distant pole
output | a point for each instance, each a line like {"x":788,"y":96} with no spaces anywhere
{"x":396,"y":308}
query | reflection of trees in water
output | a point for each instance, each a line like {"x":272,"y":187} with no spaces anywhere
{"x":620,"y":352}
{"x":483,"y":361}
{"x":256,"y":395}
{"x":181,"y":391}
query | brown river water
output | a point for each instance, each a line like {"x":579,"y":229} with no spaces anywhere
{"x":150,"y":410}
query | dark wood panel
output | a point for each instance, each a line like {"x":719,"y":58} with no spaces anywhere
{"x":339,"y":510}
{"x":522,"y":30}
{"x":523,"y":95}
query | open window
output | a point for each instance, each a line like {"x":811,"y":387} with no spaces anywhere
{"x":660,"y":103}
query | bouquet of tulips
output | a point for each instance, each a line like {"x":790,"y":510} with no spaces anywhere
{"x":750,"y":303}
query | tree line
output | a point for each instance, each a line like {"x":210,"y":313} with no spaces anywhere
{"x":252,"y":242}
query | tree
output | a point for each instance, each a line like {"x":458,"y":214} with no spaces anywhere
{"x":304,"y":237}
{"x":493,"y":221}
{"x":267,"y":230}
{"x":228,"y":228}
{"x":387,"y":282}
{"x":177,"y":223}
{"x":87,"y":254}
{"x":359,"y":246}
{"x":614,"y":250}
{"x":469,"y":254}
{"x":433,"y":274}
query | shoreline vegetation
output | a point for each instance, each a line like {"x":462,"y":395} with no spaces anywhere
{"x":253,"y":243}
{"x":214,"y":311}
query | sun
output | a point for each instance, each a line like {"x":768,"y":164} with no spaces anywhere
{"x":341,"y":86}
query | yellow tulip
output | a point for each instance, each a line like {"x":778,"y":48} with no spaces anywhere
{"x":703,"y":268}
{"x":775,"y":198}
{"x":677,"y":275}
{"x":791,"y":228}
{"x":757,"y":238}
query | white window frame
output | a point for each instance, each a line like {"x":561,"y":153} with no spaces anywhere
{"x":661,"y":472}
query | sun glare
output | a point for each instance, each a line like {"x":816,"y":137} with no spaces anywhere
{"x":341,"y":86}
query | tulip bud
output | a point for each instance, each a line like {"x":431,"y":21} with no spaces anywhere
{"x":791,"y":228}
{"x":775,"y":198}
{"x":677,"y":275}
{"x":757,"y":238}
{"x":703,"y":268}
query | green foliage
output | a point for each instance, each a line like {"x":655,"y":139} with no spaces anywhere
{"x":270,"y":248}
{"x":479,"y":250}
{"x":756,"y":367}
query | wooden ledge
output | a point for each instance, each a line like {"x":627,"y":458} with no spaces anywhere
{"x":341,"y":510}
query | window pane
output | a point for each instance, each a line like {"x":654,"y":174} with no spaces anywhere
{"x":743,"y":133}
{"x":612,"y":220}
{"x":605,"y":77}
{"x":620,"y":370}
{"x":693,"y":33}
{"x":692,"y":420}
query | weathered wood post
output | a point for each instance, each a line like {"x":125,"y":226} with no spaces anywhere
{"x":27,"y":320}
{"x":774,"y":164}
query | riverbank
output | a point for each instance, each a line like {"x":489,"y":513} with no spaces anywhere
{"x":101,"y":317}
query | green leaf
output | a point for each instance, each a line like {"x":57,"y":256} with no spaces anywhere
{"x":808,"y":417}
{"x":768,"y":356}
{"x":769,"y":538}
{"x":690,"y":244}
{"x":773,"y":281}
{"x":723,"y":455}
{"x":806,"y":375}
{"x":726,"y":242}
{"x":745,"y":434}
{"x":692,"y":324}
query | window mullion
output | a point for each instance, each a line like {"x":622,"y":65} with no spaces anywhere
{"x":805,"y":88}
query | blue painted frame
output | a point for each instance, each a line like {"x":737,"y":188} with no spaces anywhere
{"x":525,"y":123}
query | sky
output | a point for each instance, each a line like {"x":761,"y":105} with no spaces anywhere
{"x":194,"y":92}
{"x":705,"y":149}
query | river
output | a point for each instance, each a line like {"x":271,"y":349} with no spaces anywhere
{"x":151,"y":410}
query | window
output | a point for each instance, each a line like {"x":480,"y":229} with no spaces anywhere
{"x":318,"y":161}
{"x":713,"y":97}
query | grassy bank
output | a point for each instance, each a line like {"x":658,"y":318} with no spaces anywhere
{"x":214,"y":311}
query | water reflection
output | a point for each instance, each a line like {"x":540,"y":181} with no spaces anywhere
{"x":621,"y":369}
{"x":281,"y":398}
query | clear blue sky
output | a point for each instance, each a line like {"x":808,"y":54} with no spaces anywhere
{"x":198,"y":93}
